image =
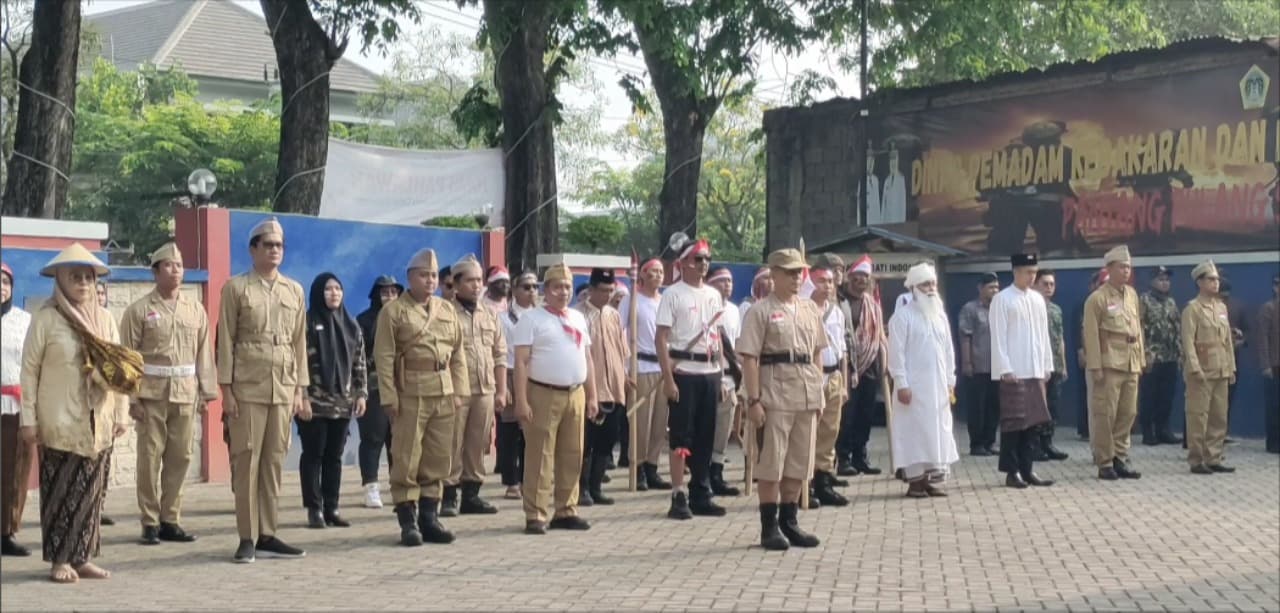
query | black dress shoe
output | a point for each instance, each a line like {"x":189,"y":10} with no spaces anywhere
{"x":1015,"y":481}
{"x":272,"y":547}
{"x":1201,"y":469}
{"x":336,"y":520}
{"x":10,"y":547}
{"x":979,"y":452}
{"x":865,"y":467}
{"x":572,"y":522}
{"x":315,"y":520}
{"x":150,"y":535}
{"x":846,"y":470}
{"x":1220,"y":468}
{"x":1125,"y":473}
{"x":173,"y":533}
{"x":534,"y":526}
{"x":1108,"y":474}
{"x":1055,"y":453}
{"x":1032,"y":479}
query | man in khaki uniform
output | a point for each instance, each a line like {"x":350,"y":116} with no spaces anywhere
{"x":486,"y":351}
{"x":835,"y":392}
{"x":781,"y":349}
{"x":171,"y":332}
{"x":1209,"y":367}
{"x":262,"y":369}
{"x":555,"y":394}
{"x":1114,"y":357}
{"x":422,"y":368}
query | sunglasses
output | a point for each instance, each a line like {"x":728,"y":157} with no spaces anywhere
{"x":701,"y":259}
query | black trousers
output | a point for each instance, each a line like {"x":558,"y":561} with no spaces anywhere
{"x":857,"y":418}
{"x":599,"y":439}
{"x":510,"y":462}
{"x":1271,"y":395}
{"x":1017,"y":451}
{"x":1155,"y":393}
{"x":1053,"y":397}
{"x":375,"y":433}
{"x":1082,"y":403}
{"x":983,"y":398}
{"x":624,"y":436}
{"x":691,"y":425}
{"x":323,"y":441}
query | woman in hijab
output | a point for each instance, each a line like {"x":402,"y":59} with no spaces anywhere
{"x":15,"y":455}
{"x":336,"y":359}
{"x":71,"y":409}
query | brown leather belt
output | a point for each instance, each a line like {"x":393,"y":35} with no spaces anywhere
{"x":558,"y":388}
{"x":421,"y":364}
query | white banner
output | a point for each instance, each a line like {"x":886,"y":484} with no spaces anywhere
{"x":400,"y":186}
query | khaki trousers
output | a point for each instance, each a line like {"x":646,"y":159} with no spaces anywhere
{"x":1206,"y":420}
{"x":15,"y":466}
{"x":725,"y":411}
{"x":553,"y":449}
{"x":166,"y":434}
{"x":471,"y":439}
{"x":824,"y":450}
{"x":1113,"y":406}
{"x":650,"y":419}
{"x":259,"y":439}
{"x":422,"y":446}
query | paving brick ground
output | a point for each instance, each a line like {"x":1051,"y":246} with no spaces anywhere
{"x":1169,"y":542}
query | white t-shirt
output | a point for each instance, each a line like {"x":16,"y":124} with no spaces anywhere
{"x":508,"y":330}
{"x":13,"y":333}
{"x":554,"y":358}
{"x":693,"y":312}
{"x":647,"y":327}
{"x":833,"y":323}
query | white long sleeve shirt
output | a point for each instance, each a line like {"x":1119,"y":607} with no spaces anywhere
{"x":1020,"y":345}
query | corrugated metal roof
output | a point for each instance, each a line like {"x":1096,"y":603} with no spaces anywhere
{"x":208,"y":38}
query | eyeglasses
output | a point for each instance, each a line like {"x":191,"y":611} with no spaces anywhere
{"x":271,"y":245}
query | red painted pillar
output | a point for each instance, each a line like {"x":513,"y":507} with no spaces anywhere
{"x":493,"y":247}
{"x":203,"y":236}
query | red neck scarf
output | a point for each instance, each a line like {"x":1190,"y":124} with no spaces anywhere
{"x":563,"y":316}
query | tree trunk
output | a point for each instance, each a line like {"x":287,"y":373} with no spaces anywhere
{"x":304,"y":54}
{"x":684,"y":124}
{"x":683,"y":132}
{"x":518,"y":38}
{"x":45,"y":128}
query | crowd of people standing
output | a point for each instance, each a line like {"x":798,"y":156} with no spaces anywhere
{"x":433,"y":367}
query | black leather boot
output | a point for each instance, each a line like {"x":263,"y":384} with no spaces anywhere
{"x":770,"y":536}
{"x":472,"y":503}
{"x":595,"y":481}
{"x":719,"y":486}
{"x":790,"y":526}
{"x":429,"y":523}
{"x":1046,"y":443}
{"x":826,"y":494}
{"x":409,"y":534}
{"x":449,"y":504}
{"x":653,"y":479}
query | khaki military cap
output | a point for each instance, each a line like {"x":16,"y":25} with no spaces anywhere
{"x":1119,"y":253}
{"x":424,"y":258}
{"x":1205,"y":269}
{"x":267,"y":226}
{"x":167,"y":253}
{"x":467,"y":263}
{"x":787,"y":259}
{"x":557,"y":272}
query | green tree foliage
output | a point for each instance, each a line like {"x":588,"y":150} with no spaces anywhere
{"x":934,"y":41}
{"x":463,"y":222}
{"x":731,"y":184}
{"x":139,"y":134}
{"x":593,"y":234}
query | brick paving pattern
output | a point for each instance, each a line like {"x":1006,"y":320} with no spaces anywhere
{"x":1169,"y":542}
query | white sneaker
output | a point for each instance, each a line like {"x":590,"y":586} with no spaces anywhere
{"x":372,"y":498}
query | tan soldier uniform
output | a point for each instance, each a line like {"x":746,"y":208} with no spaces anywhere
{"x":486,"y":348}
{"x":262,"y":355}
{"x":1209,"y":365}
{"x":178,"y":374}
{"x":1113,"y":343}
{"x":787,"y":340}
{"x":421,"y":365}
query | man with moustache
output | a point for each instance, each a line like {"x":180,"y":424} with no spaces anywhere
{"x":867,"y":364}
{"x":1114,"y":355}
{"x":834,"y":390}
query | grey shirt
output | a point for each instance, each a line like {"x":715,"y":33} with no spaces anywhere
{"x":973,"y":325}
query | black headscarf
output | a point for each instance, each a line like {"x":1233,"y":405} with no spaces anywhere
{"x":336,"y":334}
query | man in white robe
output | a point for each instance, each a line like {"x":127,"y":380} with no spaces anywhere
{"x":922,"y":362}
